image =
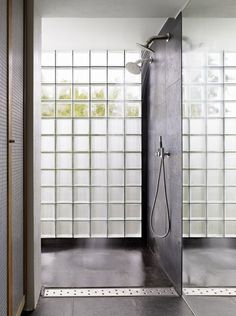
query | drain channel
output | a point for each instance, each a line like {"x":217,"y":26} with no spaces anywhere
{"x":105,"y":292}
{"x":205,"y":291}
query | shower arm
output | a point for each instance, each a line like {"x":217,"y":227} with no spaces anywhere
{"x":166,"y":37}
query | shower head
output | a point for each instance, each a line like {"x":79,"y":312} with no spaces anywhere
{"x":135,"y":68}
{"x":146,"y":46}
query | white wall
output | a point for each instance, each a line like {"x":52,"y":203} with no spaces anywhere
{"x":98,"y":33}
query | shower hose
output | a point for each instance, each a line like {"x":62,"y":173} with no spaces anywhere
{"x":166,"y":233}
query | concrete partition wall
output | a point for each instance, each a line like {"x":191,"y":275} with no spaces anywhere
{"x":163,"y":101}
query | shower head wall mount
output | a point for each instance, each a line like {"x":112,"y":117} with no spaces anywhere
{"x":152,"y":39}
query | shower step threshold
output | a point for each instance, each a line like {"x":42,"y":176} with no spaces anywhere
{"x":210,"y":291}
{"x":108,"y":292}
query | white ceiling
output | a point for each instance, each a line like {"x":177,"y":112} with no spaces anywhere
{"x":211,"y":8}
{"x":111,"y":8}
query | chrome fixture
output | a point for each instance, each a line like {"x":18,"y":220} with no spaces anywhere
{"x":149,"y":42}
{"x":161,"y":153}
{"x":135,"y":68}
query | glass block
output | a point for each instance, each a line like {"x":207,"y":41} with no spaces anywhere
{"x":133,"y":109}
{"x":229,"y":59}
{"x":81,"y":92}
{"x":133,"y":212}
{"x":98,"y":58}
{"x":133,"y":92}
{"x":230,"y":109}
{"x":116,"y":229}
{"x":116,"y":177}
{"x":81,"y":75}
{"x":64,"y":92}
{"x":133,"y":229}
{"x":186,"y":194}
{"x":133,"y":194}
{"x":132,"y":56}
{"x":214,"y":109}
{"x":64,"y":194}
{"x":64,"y":229}
{"x":185,"y":177}
{"x":185,"y":211}
{"x":47,"y":178}
{"x":81,"y":211}
{"x":230,"y":92}
{"x":215,"y":211}
{"x":81,"y":177}
{"x":214,"y":229}
{"x":47,"y":92}
{"x":116,"y":109}
{"x":116,"y":58}
{"x":230,"y":177}
{"x":230,"y":75}
{"x":64,"y":143}
{"x":133,"y":177}
{"x":185,"y":160}
{"x":99,"y":211}
{"x":133,"y":143}
{"x":64,"y":58}
{"x":185,"y":141}
{"x":98,"y":75}
{"x":115,"y":211}
{"x":47,"y":195}
{"x":230,"y":126}
{"x":98,"y":229}
{"x":215,"y":161}
{"x":64,"y":75}
{"x":215,"y":93}
{"x":215,"y":75}
{"x":48,"y":75}
{"x":215,"y":177}
{"x":197,"y":229}
{"x":185,"y":109}
{"x":185,"y":228}
{"x":197,"y":143}
{"x":196,"y":92}
{"x":197,"y":161}
{"x":81,"y":126}
{"x":230,"y":211}
{"x":186,"y":128}
{"x":64,"y":212}
{"x":99,"y":161}
{"x":47,"y":109}
{"x":230,"y":160}
{"x":115,"y":126}
{"x":98,"y":126}
{"x":115,"y":161}
{"x":81,"y":195}
{"x":197,"y":110}
{"x":230,"y":194}
{"x":230,"y":228}
{"x":81,"y":161}
{"x":133,"y":126}
{"x":115,"y":75}
{"x":81,"y":58}
{"x":64,"y":161}
{"x":197,"y":194}
{"x":47,"y":143}
{"x":48,"y":58}
{"x":81,"y":229}
{"x":215,"y":143}
{"x":63,"y":109}
{"x":98,"y":92}
{"x":81,"y":109}
{"x":47,"y":229}
{"x":214,"y":194}
{"x":64,"y":126}
{"x":48,"y":211}
{"x":197,"y":177}
{"x":116,"y":143}
{"x":115,"y":92}
{"x":198,"y":211}
{"x":81,"y":143}
{"x":99,"y":177}
{"x":197,"y":126}
{"x":64,"y":177}
{"x":47,"y":161}
{"x":215,"y":126}
{"x":214,"y":59}
{"x":132,"y":78}
{"x":116,"y":195}
{"x":98,"y":194}
{"x":98,"y":109}
{"x":132,"y":161}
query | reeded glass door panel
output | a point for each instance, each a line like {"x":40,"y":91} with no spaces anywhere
{"x":91,"y":145}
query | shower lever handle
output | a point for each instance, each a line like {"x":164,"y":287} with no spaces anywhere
{"x":161,"y":150}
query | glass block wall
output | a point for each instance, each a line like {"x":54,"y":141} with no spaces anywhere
{"x":90,"y":145}
{"x":209,"y":144}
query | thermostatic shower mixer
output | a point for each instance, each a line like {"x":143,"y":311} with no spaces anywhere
{"x":161,"y":150}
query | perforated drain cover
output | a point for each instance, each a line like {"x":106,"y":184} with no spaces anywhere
{"x":104,"y":292}
{"x":217,"y":291}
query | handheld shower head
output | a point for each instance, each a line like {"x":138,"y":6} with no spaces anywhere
{"x":135,"y":68}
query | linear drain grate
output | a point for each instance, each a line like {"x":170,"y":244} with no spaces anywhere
{"x":105,"y":292}
{"x":206,"y":291}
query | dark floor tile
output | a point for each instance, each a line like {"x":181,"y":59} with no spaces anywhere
{"x":139,"y":306}
{"x":212,"y":306}
{"x":53,"y":307}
